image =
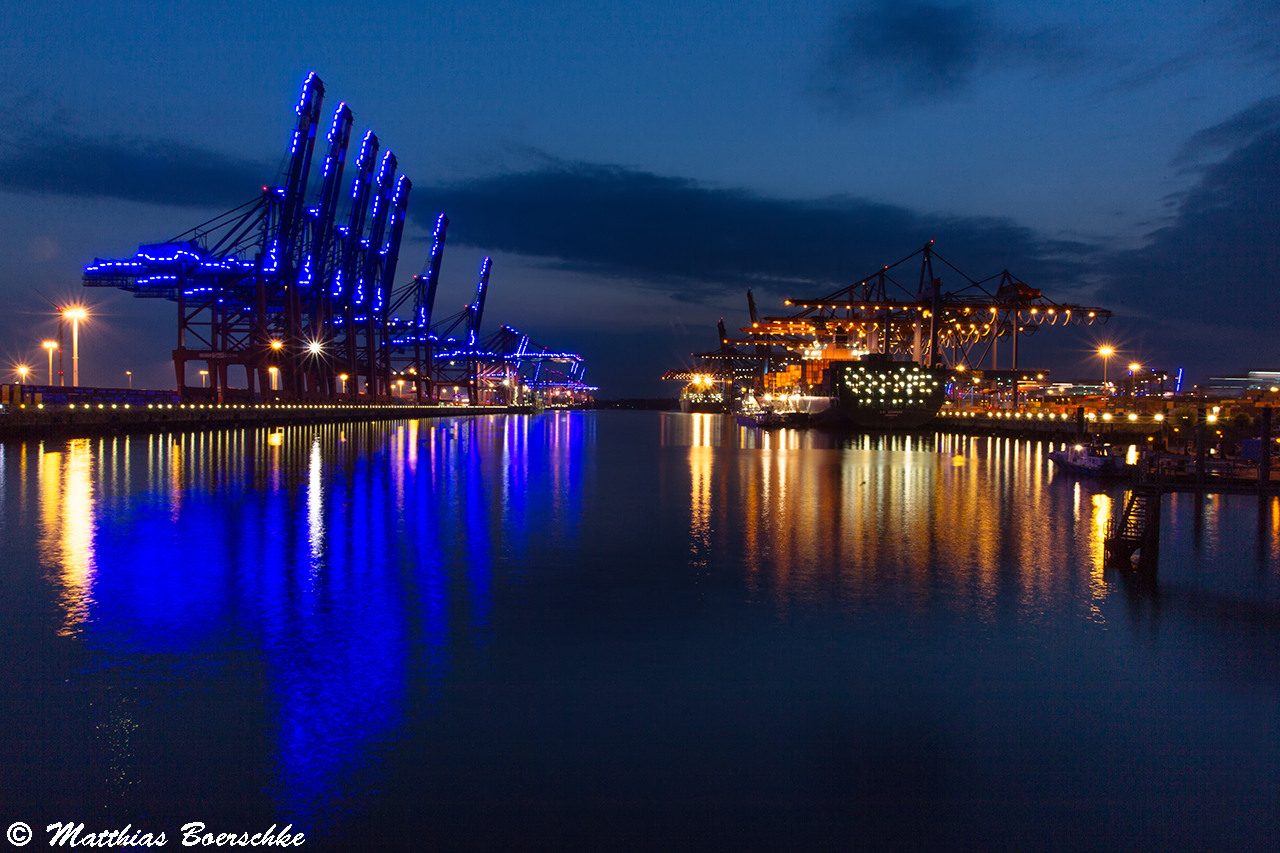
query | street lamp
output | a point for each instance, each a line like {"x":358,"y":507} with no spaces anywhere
{"x":1133,"y":378}
{"x":204,"y":375}
{"x":23,"y":370}
{"x":343,"y":377}
{"x":1106,"y":352}
{"x":274,"y":373}
{"x":129,"y":373}
{"x":50,"y":346}
{"x":75,"y":315}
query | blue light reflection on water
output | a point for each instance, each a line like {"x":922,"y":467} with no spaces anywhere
{"x":622,"y":626}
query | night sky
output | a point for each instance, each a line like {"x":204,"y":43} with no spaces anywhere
{"x":634,"y":168}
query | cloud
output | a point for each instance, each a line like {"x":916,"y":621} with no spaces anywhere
{"x":55,"y":161}
{"x":676,"y":235}
{"x":1240,"y":129}
{"x":1250,"y":28}
{"x":667,"y":233}
{"x":1205,"y":289}
{"x":617,"y":228}
{"x":1239,"y":33}
{"x":889,"y":52}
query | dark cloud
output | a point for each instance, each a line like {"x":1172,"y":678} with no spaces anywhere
{"x":661,"y":232}
{"x":932,"y":48}
{"x":890,"y":52}
{"x":695,"y":241}
{"x":1233,"y":133}
{"x":1205,"y":289}
{"x":57,"y":162}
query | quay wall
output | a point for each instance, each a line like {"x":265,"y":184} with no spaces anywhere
{"x":1053,"y":427}
{"x":31,"y":421}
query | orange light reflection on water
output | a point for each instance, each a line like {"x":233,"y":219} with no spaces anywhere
{"x":67,"y":520}
{"x":820,"y":516}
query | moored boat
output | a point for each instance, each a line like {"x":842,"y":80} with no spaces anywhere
{"x":1093,"y":460}
{"x":785,"y":410}
{"x":703,"y":395}
{"x":769,"y":419}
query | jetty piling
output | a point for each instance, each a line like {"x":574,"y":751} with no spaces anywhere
{"x":1264,"y":450}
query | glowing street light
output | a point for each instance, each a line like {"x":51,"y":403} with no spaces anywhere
{"x":204,"y":374}
{"x":343,"y":377}
{"x":1106,"y":351}
{"x":274,"y":371}
{"x":277,"y":345}
{"x":23,"y":370}
{"x":129,"y":373}
{"x":75,"y":315}
{"x":50,"y":346}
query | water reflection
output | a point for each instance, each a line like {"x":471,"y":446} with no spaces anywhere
{"x":459,"y":618}
{"x":67,"y":516}
{"x":821,"y":516}
{"x":1232,"y":541}
{"x":333,"y":572}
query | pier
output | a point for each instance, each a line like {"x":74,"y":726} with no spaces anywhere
{"x":39,"y":421}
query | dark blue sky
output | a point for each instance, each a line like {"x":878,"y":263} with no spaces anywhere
{"x":634,"y":169}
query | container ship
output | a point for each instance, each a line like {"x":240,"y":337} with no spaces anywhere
{"x":876,"y":392}
{"x":703,"y":394}
{"x":885,"y":351}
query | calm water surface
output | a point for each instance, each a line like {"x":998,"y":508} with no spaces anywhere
{"x":627,"y":630}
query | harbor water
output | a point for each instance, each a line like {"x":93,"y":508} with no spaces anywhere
{"x":626,"y":630}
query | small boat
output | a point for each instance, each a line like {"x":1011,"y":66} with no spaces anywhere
{"x":785,"y":410}
{"x":770,"y":419}
{"x":1094,"y":460}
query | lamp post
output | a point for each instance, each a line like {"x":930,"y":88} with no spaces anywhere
{"x":1106,"y":352}
{"x":129,"y":373}
{"x":343,"y":377}
{"x":204,"y":375}
{"x":62,"y":349}
{"x":23,"y":370}
{"x":275,"y":371}
{"x":75,"y":315}
{"x":1133,"y":378}
{"x":50,"y":346}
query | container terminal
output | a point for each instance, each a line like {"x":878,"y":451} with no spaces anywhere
{"x":290,"y":302}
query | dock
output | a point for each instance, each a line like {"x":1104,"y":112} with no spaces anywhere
{"x":86,"y":419}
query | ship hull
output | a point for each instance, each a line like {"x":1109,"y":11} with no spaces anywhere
{"x":876,"y":393}
{"x":703,"y":396}
{"x":702,"y":406}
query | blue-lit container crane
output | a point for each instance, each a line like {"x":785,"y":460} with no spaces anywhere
{"x":300,"y":302}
